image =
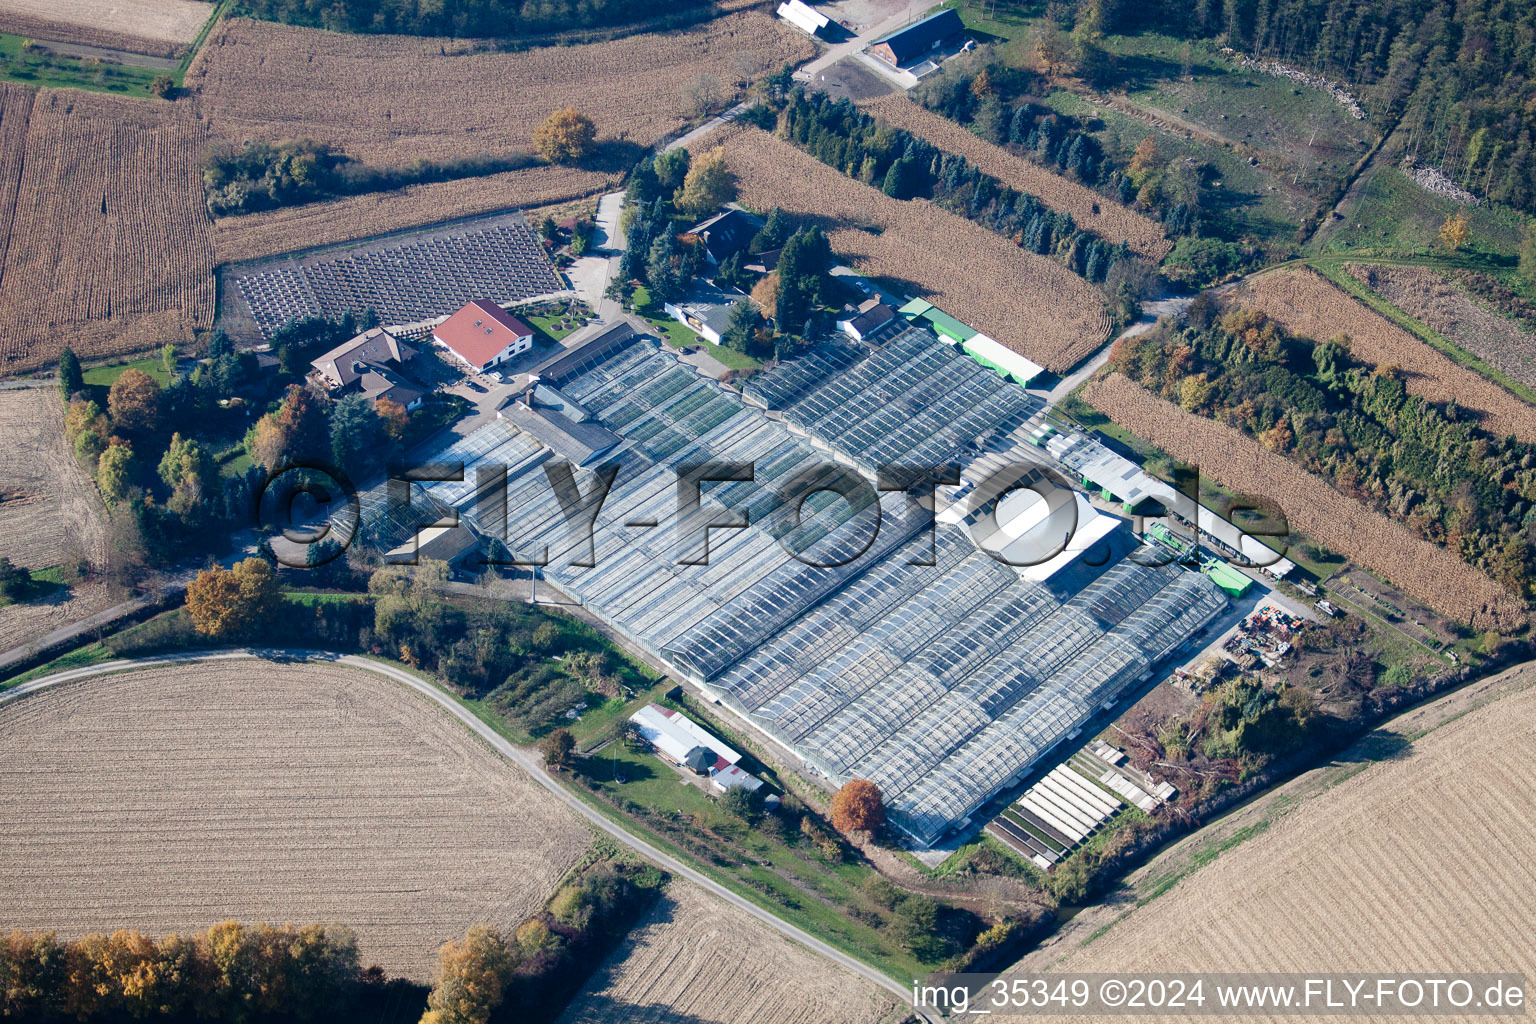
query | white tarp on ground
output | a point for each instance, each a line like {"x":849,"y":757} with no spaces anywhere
{"x":802,"y":16}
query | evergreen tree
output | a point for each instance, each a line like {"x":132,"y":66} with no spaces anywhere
{"x":663,"y":277}
{"x":774,"y":232}
{"x":71,"y":379}
{"x":741,"y":333}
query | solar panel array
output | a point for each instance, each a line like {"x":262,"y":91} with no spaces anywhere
{"x":941,"y":682}
{"x":406,"y":283}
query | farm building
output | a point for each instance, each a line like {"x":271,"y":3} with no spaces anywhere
{"x":985,"y":350}
{"x":725,"y":234}
{"x":1228,"y":578}
{"x":577,"y":441}
{"x":804,"y":17}
{"x":1004,"y":360}
{"x":867,"y":320}
{"x":483,"y":335}
{"x":903,"y":48}
{"x":861,"y":635}
{"x":679,"y":740}
{"x":706,"y":310}
{"x":676,"y":737}
{"x":370,"y":364}
{"x":922,"y":313}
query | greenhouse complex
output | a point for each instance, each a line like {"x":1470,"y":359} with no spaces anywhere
{"x":852,"y":628}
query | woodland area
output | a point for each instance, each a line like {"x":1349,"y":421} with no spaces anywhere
{"x":1456,"y":75}
{"x":1425,"y":464}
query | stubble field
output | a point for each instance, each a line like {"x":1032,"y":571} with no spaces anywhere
{"x":1104,"y":217}
{"x":1430,"y":573}
{"x":700,"y":960}
{"x":157,"y":27}
{"x":1427,"y":296}
{"x":49,"y":509}
{"x":108,"y":247}
{"x":394,"y":99}
{"x":1418,"y":863}
{"x":170,"y":798}
{"x":1308,"y":304}
{"x":1032,"y":304}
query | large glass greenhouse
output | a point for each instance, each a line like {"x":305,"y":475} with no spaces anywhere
{"x":854,"y":630}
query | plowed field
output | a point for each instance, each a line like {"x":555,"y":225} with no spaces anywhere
{"x":1418,"y":863}
{"x":700,"y":960}
{"x":173,"y":797}
{"x":108,"y":247}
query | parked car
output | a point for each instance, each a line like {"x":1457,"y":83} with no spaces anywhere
{"x":476,"y":386}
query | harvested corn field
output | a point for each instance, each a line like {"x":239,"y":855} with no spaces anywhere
{"x":176,"y":796}
{"x":1032,"y":304}
{"x":1417,"y":863}
{"x":1307,"y":304}
{"x":406,"y":98}
{"x":1091,"y":211}
{"x":109,"y":247}
{"x":274,"y":232}
{"x":698,"y":959}
{"x":1430,"y":573}
{"x":49,"y":510}
{"x":1427,"y":296}
{"x":158,"y":27}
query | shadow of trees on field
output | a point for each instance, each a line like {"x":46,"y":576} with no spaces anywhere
{"x":613,"y":156}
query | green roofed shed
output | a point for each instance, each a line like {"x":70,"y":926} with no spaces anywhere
{"x":1228,"y":578}
{"x":926,"y":314}
{"x":947,"y":326}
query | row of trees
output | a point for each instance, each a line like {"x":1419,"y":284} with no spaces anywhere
{"x":544,"y":963}
{"x":905,"y":166}
{"x":490,"y":18}
{"x":262,"y":175}
{"x":986,"y":96}
{"x":229,"y":973}
{"x":528,"y":666}
{"x":1358,"y":427}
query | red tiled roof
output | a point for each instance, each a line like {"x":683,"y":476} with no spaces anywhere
{"x":480,"y":331}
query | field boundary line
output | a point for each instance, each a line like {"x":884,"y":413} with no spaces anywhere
{"x":502,"y":746}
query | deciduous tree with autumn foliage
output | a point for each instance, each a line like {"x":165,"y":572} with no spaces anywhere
{"x":226,"y":603}
{"x":297,"y":430}
{"x":858,"y":807}
{"x":565,"y":136}
{"x":134,"y":402}
{"x":471,"y":978}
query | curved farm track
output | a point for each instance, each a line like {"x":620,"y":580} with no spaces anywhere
{"x":173,"y":796}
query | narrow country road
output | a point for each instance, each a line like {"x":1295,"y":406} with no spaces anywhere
{"x":523,"y":758}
